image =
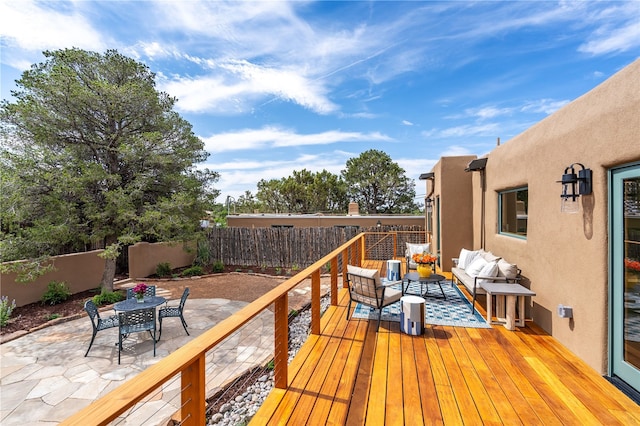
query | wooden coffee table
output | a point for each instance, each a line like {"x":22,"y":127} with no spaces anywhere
{"x":511,"y":292}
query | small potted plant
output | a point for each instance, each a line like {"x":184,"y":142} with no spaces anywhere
{"x":424,"y":262}
{"x":139,"y":291}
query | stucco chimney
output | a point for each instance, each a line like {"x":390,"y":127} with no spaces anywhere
{"x":353,"y":209}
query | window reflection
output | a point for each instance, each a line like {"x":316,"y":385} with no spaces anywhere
{"x":514,"y":208}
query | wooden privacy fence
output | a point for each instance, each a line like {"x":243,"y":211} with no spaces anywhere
{"x":301,"y":247}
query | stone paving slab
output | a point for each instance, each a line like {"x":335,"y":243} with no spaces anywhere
{"x":44,"y":376}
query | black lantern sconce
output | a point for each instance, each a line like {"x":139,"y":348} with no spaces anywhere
{"x":573,"y":186}
{"x":428,"y":203}
{"x":379,"y":224}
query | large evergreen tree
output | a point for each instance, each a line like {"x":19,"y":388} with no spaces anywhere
{"x":378,"y":184}
{"x":92,"y":153}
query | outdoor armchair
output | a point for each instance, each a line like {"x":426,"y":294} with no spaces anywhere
{"x":97,"y":322}
{"x":365,"y":287}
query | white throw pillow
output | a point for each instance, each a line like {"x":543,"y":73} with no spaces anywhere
{"x":489,"y":270}
{"x":417,"y":248}
{"x":473,"y":270}
{"x":466,"y":257}
{"x":462,"y":258}
{"x":506,"y":269}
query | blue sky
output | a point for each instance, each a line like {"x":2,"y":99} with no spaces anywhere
{"x":272,"y":87}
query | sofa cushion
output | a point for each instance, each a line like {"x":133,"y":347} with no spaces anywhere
{"x":489,"y":270}
{"x":466,"y":257}
{"x":489,"y":257}
{"x":506,"y":269}
{"x":473,"y":270}
{"x":363,"y":272}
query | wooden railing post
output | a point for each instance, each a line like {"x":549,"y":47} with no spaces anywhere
{"x":334,"y":281}
{"x":193,"y":387}
{"x":281,"y":343}
{"x":345,"y":261}
{"x":315,"y":302}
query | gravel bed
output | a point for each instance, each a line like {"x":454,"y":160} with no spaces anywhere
{"x":238,"y":410}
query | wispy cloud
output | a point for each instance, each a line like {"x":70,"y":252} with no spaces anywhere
{"x":618,"y":29}
{"x":34,"y":26}
{"x":279,"y":137}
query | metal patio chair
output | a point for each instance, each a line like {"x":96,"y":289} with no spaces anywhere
{"x":97,"y":322}
{"x":175,"y":312}
{"x":137,"y":321}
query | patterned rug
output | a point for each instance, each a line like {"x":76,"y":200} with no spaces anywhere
{"x":454,"y":311}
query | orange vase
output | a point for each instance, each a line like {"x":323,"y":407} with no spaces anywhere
{"x":424,"y":270}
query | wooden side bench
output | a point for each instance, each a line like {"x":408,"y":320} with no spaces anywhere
{"x":511,"y":292}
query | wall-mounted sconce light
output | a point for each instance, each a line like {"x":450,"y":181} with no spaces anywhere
{"x":379,"y":224}
{"x":573,"y":186}
{"x":428,"y":203}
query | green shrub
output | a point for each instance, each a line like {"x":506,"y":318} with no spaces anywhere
{"x":57,"y":292}
{"x":217,"y":266}
{"x":51,"y":317}
{"x":203,"y":254}
{"x":193,"y":271}
{"x":108,"y":298}
{"x":163,"y":269}
{"x":278,"y":270}
{"x":6,"y":309}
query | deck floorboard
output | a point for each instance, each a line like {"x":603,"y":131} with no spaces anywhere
{"x":352,"y":374}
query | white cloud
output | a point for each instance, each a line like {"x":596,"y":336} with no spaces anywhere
{"x":240,"y":175}
{"x":614,"y":40}
{"x":546,"y":106}
{"x":407,"y":123}
{"x":278,"y":137}
{"x":237,"y":85}
{"x":34,"y":26}
{"x":464,"y":130}
{"x":617,"y":29}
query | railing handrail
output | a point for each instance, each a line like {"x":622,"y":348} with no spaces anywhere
{"x":116,"y":402}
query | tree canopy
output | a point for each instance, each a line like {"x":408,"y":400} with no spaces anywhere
{"x":304,"y":192}
{"x":372,"y":180}
{"x":94,"y":155}
{"x":378,"y":184}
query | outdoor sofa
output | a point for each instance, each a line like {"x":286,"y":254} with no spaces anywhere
{"x":475,"y":267}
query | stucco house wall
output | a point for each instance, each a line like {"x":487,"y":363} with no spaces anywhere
{"x":564,"y":256}
{"x":454,"y":194}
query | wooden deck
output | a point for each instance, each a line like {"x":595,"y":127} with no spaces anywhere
{"x":349,"y":374}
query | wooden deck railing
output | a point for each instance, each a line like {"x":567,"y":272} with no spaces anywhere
{"x":189,"y":360}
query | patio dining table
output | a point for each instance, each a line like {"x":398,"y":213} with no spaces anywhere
{"x":133,"y":304}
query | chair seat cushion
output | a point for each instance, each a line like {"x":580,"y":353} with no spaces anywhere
{"x":391,"y":295}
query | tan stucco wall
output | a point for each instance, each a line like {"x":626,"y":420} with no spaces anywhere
{"x":145,"y":257}
{"x":81,"y":271}
{"x":453,"y":192}
{"x":564,"y":256}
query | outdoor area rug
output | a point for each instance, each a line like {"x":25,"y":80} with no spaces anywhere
{"x":454,"y":311}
